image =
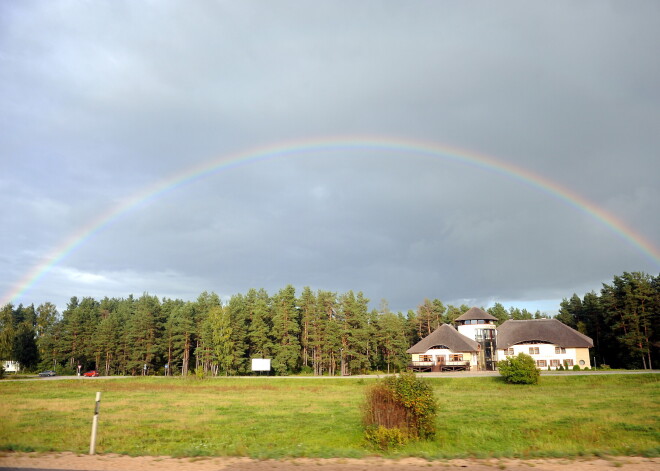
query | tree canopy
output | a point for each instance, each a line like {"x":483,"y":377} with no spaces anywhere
{"x":321,"y":333}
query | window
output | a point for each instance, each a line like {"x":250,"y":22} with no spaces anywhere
{"x":508,"y":351}
{"x":425,"y":358}
{"x":481,"y":321}
{"x":541,"y":363}
{"x":560,"y":350}
{"x":533,"y":350}
{"x":554,"y":363}
{"x":581,"y":362}
{"x":456,"y":357}
{"x":568,"y":362}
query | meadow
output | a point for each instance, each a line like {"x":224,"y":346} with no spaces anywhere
{"x":321,"y":417}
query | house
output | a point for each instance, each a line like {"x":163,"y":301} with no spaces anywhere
{"x":444,"y":349}
{"x":550,"y":342}
{"x":478,"y":344}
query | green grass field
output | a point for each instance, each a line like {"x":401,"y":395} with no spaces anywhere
{"x":296,"y":417}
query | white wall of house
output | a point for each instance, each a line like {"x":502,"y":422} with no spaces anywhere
{"x":433,"y":355}
{"x":470,"y":330}
{"x":549,"y":355}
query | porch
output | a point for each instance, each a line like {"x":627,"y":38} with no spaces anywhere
{"x":436,"y":367}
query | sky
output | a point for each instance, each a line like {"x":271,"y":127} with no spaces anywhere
{"x":138,"y":148}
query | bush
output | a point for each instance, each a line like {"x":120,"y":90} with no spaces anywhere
{"x":385,"y":438}
{"x":63,"y":370}
{"x":404,"y":406}
{"x":2,"y":372}
{"x":576,"y":367}
{"x":520,"y":369}
{"x":560,"y":368}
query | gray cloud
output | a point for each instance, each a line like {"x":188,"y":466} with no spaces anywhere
{"x":101,"y":101}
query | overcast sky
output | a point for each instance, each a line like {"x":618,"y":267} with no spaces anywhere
{"x":101,"y":100}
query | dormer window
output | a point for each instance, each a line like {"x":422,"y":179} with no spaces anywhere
{"x":439,"y":347}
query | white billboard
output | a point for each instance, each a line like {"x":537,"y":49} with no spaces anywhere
{"x":261,"y":364}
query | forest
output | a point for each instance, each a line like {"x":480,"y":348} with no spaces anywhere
{"x":316,"y":332}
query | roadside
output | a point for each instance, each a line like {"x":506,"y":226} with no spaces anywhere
{"x":458,"y":374}
{"x":71,"y":461}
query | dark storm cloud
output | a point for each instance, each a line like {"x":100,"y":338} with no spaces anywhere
{"x":101,"y":100}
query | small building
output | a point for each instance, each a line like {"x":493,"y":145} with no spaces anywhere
{"x":445,"y":349}
{"x":550,"y":342}
{"x":11,"y":366}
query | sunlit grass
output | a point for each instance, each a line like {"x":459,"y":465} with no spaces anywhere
{"x":263,"y":417}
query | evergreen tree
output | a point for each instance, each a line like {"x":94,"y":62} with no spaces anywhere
{"x":260,"y":323}
{"x":500,"y":312}
{"x":306,"y":303}
{"x":144,"y":331}
{"x":237,"y":312}
{"x":352,"y":321}
{"x":286,"y":332}
{"x":7,"y":332}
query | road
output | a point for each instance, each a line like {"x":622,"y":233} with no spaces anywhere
{"x":458,"y":374}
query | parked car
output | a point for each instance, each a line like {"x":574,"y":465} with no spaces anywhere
{"x":91,"y":373}
{"x":48,"y":373}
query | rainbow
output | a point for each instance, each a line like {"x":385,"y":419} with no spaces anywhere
{"x":306,"y":146}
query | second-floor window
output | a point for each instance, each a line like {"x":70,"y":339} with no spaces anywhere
{"x":533,"y":350}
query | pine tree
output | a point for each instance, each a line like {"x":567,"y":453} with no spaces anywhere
{"x":286,"y":331}
{"x":144,"y":332}
{"x":260,"y":323}
{"x":306,"y":304}
{"x":236,"y":310}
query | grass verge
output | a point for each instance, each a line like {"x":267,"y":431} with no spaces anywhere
{"x":266,"y":418}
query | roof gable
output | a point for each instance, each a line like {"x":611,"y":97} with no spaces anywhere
{"x":445,"y":335}
{"x":546,"y":330}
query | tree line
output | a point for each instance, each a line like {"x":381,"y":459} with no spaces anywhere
{"x":316,"y":332}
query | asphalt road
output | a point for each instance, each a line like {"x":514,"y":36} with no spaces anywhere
{"x":458,"y":374}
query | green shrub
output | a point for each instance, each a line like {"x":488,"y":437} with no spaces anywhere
{"x":2,"y":372}
{"x":63,"y":370}
{"x":404,"y":405}
{"x":560,"y":368}
{"x":520,"y":369}
{"x":576,"y":367}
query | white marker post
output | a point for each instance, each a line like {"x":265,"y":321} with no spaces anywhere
{"x":95,"y":423}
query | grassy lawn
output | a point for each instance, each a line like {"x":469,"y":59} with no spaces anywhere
{"x":270,"y":418}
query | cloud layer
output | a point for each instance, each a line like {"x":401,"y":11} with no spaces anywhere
{"x":100,"y":101}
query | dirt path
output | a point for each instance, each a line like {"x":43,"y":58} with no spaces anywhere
{"x":125,"y":463}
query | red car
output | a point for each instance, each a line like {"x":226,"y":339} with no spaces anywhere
{"x":91,"y":373}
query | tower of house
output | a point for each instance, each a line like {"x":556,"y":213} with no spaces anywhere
{"x":477,"y":324}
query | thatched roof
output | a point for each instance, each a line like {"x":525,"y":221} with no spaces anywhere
{"x":445,"y":335}
{"x":545,"y":330}
{"x":475,"y":314}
